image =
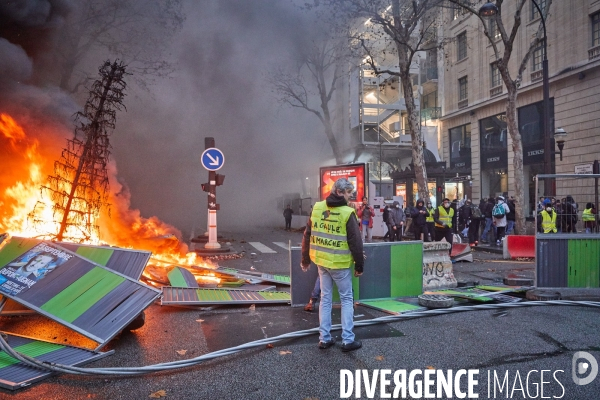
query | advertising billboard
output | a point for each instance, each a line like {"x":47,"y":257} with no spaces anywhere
{"x":355,"y":173}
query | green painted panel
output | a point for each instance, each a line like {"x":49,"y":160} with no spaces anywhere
{"x":583,"y":263}
{"x":282,"y":278}
{"x":406,"y":277}
{"x":390,"y":305}
{"x":176,"y":278}
{"x":32,"y":349}
{"x":97,"y":255}
{"x":267,"y":295}
{"x":78,"y":297}
{"x":15,"y":248}
{"x":213,"y":295}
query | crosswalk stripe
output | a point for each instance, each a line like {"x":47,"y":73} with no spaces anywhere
{"x":261,"y":247}
{"x":282,"y":244}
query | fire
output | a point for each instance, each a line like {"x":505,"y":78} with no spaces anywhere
{"x":25,"y":171}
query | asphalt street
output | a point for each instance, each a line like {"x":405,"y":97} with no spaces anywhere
{"x":511,"y":352}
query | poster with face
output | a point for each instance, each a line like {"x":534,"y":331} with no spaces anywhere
{"x":29,"y":268}
{"x":355,"y":173}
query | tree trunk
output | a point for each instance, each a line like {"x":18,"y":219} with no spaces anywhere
{"x":517,"y":146}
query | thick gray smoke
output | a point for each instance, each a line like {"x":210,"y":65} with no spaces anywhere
{"x":223,"y":55}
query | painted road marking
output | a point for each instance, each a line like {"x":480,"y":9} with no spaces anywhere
{"x":283,"y":245}
{"x":261,"y":247}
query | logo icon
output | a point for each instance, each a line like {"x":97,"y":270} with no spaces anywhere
{"x":590,"y":365}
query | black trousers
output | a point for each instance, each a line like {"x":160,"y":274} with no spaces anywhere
{"x":474,"y":231}
{"x":444,"y":233}
{"x":418,"y":229}
{"x":288,"y":223}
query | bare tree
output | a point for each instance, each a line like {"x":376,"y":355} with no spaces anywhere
{"x":400,"y":28}
{"x":135,"y":31}
{"x":502,"y":56}
{"x":312,"y":86}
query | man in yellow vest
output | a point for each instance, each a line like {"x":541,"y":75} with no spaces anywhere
{"x":547,"y":219}
{"x":332,"y":241}
{"x":443,"y":217}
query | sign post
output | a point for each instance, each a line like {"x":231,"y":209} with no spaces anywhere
{"x":212,"y":160}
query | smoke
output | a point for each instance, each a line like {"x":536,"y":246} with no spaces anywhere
{"x":224,"y":55}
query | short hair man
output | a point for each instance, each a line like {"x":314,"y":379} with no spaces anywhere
{"x":333,"y":242}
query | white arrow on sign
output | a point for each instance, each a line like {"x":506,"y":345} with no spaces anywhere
{"x":214,"y":161}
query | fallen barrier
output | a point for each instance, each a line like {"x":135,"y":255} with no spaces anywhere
{"x":71,"y":290}
{"x":461,"y":252}
{"x":518,"y":246}
{"x":437,"y":266}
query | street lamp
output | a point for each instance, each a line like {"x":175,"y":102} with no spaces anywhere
{"x":489,"y":10}
{"x":560,"y":135}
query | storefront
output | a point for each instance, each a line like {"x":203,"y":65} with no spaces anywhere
{"x":532,"y":135}
{"x":494,"y":156}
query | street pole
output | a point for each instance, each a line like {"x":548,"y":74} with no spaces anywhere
{"x":548,"y":153}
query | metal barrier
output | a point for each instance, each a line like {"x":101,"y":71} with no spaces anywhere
{"x":571,"y":256}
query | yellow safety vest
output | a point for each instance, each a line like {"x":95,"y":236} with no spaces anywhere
{"x":429,"y":217}
{"x":445,"y":217}
{"x":587,"y":215}
{"x":328,"y":240}
{"x":548,"y":223}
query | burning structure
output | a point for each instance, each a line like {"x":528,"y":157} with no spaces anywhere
{"x":78,"y":189}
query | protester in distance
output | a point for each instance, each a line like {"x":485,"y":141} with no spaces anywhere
{"x":546,"y":222}
{"x":569,"y":215}
{"x":430,"y":222}
{"x":396,"y":221}
{"x":464,"y":218}
{"x":510,"y":216}
{"x":499,"y":214}
{"x":287,"y":215}
{"x":332,"y":241}
{"x":365,"y":216}
{"x":487,"y":212}
{"x":589,"y":218}
{"x":443,"y":217}
{"x":558,"y":208}
{"x":386,"y":215}
{"x":419,"y":220}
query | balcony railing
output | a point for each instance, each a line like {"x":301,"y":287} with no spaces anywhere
{"x":594,"y":52}
{"x":495,"y":91}
{"x":537,"y":75}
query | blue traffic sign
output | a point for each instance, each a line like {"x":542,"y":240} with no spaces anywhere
{"x":212,"y":159}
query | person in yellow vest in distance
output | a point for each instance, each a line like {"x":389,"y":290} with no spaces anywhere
{"x":589,"y":218}
{"x":430,"y":222}
{"x":546,"y":222}
{"x":332,"y":241}
{"x":443,"y":216}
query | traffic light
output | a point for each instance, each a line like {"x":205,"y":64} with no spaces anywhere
{"x":219,"y":179}
{"x":439,"y":189}
{"x":205,"y":187}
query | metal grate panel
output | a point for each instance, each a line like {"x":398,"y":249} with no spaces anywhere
{"x":193,"y":296}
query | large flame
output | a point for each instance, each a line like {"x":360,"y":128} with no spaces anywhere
{"x":25,"y":170}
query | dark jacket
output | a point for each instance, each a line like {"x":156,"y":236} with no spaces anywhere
{"x":397,"y":215}
{"x":464,"y":213}
{"x":511,"y":214}
{"x":418,"y":218}
{"x":355,"y":242}
{"x":489,"y":206}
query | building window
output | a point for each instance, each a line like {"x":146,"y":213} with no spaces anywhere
{"x":461,"y":41}
{"x":460,"y":146}
{"x":534,"y":11}
{"x":495,"y":75}
{"x":455,"y":12}
{"x":538,"y":57}
{"x":462,"y":89}
{"x":493,"y":29}
{"x":596,"y":29}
